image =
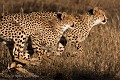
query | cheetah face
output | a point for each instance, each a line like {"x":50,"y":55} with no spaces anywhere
{"x":68,"y":21}
{"x":98,"y":16}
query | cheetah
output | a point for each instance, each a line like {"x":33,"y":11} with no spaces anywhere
{"x":82,"y":26}
{"x":43,"y":28}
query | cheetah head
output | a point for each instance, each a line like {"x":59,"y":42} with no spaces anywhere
{"x":99,"y":16}
{"x":67,"y":21}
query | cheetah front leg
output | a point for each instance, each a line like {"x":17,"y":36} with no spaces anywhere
{"x":71,"y":48}
{"x":20,"y":47}
{"x":79,"y":47}
{"x":60,"y":49}
{"x":37,"y":56}
{"x":76,"y":46}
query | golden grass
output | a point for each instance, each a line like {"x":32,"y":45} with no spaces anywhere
{"x":101,"y":57}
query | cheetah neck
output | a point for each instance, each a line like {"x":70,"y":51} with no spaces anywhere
{"x":84,"y":22}
{"x":83,"y":25}
{"x":89,"y":20}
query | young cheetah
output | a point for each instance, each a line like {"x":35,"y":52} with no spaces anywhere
{"x":82,"y":26}
{"x":44,"y":29}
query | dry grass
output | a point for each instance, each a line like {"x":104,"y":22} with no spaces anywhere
{"x":101,"y":57}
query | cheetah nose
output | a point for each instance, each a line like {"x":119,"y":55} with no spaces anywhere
{"x":104,"y":21}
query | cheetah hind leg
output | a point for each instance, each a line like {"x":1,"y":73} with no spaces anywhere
{"x":19,"y":52}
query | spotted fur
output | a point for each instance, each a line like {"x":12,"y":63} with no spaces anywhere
{"x":44,"y":29}
{"x":82,"y":26}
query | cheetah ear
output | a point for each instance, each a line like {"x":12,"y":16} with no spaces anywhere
{"x":61,"y":15}
{"x":90,"y":11}
{"x":93,"y":11}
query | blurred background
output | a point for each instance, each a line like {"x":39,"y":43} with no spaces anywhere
{"x":101,"y":57}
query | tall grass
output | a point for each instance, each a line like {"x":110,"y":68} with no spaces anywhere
{"x":100,"y":59}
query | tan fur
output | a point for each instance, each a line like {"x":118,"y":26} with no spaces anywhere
{"x":44,"y":29}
